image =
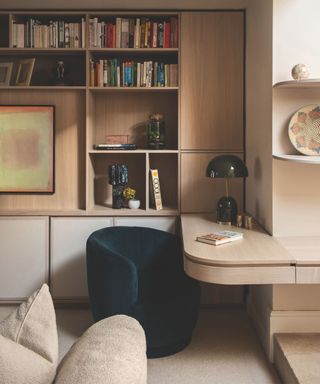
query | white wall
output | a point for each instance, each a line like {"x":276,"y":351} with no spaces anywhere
{"x":296,"y":37}
{"x":259,"y":111}
{"x":296,"y":187}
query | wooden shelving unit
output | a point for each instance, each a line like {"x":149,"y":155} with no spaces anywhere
{"x":86,"y":114}
{"x":203,"y":118}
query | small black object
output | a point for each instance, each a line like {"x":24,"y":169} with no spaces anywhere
{"x":118,"y":178}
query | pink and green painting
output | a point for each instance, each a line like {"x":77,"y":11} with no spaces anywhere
{"x":27,"y":149}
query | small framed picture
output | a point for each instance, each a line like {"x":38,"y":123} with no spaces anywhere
{"x":5,"y":73}
{"x":25,"y":69}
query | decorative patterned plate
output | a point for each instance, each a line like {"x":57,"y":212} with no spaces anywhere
{"x":304,"y":130}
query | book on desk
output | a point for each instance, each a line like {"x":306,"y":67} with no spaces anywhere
{"x":220,"y":237}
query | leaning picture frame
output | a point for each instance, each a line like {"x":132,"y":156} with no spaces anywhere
{"x":24,"y":73}
{"x":5,"y":74}
{"x":27,"y":148}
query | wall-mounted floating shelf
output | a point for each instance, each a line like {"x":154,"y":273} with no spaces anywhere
{"x":298,"y":158}
{"x":309,"y":83}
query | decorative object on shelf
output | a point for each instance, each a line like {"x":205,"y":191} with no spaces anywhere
{"x":156,"y":131}
{"x":130,"y":195}
{"x":226,"y":167}
{"x":60,"y":73}
{"x":27,"y":149}
{"x":24,"y":73}
{"x":156,"y":191}
{"x":248,"y":221}
{"x":5,"y":74}
{"x":304,"y":130}
{"x":118,"y":178}
{"x":300,"y":72}
{"x":117,"y":139}
{"x":239,"y":220}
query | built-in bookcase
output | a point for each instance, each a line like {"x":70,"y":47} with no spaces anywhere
{"x":86,"y":113}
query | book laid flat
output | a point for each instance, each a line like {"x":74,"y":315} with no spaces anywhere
{"x":220,"y":237}
{"x":115,"y":146}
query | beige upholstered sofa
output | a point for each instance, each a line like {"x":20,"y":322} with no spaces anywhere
{"x":112,"y":351}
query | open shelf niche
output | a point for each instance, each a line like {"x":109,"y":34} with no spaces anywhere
{"x":288,"y":97}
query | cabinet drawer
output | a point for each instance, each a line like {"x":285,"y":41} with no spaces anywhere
{"x":24,"y":255}
{"x":68,"y":254}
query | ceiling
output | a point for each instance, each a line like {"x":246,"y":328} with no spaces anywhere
{"x":120,"y":4}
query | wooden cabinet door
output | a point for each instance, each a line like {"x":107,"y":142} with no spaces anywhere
{"x":68,"y":254}
{"x":24,"y":256}
{"x":212,"y":80}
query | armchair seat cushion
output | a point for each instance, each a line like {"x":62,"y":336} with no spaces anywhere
{"x":112,"y":351}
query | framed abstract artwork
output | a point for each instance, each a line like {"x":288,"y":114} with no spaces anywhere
{"x":27,"y":149}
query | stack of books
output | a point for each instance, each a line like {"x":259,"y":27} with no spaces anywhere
{"x":141,"y":32}
{"x":122,"y":73}
{"x":55,"y":34}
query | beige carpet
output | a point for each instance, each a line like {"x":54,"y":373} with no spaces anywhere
{"x":224,"y":350}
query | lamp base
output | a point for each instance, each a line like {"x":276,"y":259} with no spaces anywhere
{"x":226,"y":210}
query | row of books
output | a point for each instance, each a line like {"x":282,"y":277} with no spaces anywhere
{"x":55,"y":34}
{"x":133,"y":33}
{"x":121,"y":73}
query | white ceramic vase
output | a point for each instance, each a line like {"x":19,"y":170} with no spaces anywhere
{"x":134,"y":204}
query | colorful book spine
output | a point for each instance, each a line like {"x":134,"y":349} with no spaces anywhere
{"x":138,"y":32}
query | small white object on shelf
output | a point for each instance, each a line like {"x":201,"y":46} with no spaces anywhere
{"x":134,"y":204}
{"x":300,"y":72}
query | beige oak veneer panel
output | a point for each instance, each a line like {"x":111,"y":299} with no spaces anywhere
{"x":125,"y":113}
{"x":298,"y":297}
{"x":308,"y":275}
{"x":212,"y":73}
{"x":24,"y":255}
{"x":68,"y":254}
{"x":233,"y":275}
{"x":69,"y":151}
{"x":200,"y":193}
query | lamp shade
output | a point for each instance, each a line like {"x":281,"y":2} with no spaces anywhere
{"x":226,"y":166}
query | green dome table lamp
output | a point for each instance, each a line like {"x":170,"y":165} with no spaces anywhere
{"x":226,"y":167}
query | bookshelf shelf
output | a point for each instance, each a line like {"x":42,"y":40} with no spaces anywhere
{"x":43,"y":88}
{"x":149,"y":151}
{"x":134,"y":89}
{"x":64,"y":51}
{"x":134,"y":50}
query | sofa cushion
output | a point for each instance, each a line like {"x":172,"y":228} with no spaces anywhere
{"x":29,"y":342}
{"x":112,"y":351}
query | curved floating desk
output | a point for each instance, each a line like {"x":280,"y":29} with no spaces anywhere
{"x":258,"y":258}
